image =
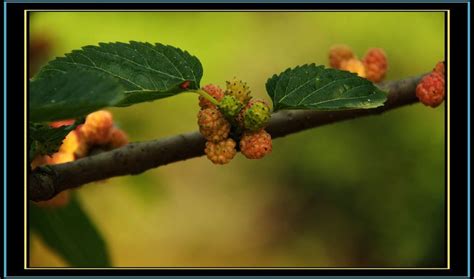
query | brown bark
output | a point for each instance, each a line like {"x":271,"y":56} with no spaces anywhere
{"x":135,"y":158}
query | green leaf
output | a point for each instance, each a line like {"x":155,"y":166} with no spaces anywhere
{"x":314,"y":87}
{"x":71,"y":94}
{"x":71,"y":233}
{"x":146,"y":72}
{"x":45,"y":140}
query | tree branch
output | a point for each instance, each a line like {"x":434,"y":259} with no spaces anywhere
{"x":134,"y":158}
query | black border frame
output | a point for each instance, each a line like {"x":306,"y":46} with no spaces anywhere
{"x":15,"y":116}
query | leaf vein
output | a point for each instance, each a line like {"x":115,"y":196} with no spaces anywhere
{"x":294,"y":90}
{"x":135,"y":63}
{"x":105,"y":71}
{"x":338,"y":99}
{"x":172,"y":64}
{"x":321,"y":88}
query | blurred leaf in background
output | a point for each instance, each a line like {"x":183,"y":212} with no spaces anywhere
{"x":364,"y":193}
{"x":69,"y":231}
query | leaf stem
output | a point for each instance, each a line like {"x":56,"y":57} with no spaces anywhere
{"x":206,"y":95}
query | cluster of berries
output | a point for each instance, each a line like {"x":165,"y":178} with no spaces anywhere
{"x":430,"y":90}
{"x":235,"y":116}
{"x":97,"y":133}
{"x":373,"y":66}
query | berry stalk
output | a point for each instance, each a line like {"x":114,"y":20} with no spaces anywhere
{"x":206,"y":96}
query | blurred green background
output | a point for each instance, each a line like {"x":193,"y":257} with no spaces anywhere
{"x":364,"y":193}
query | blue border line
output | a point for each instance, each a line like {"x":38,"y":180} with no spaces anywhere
{"x":4,"y":139}
{"x":468,"y":139}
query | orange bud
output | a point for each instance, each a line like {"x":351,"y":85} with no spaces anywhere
{"x":60,"y":200}
{"x":96,"y":130}
{"x":430,"y":90}
{"x":118,"y":138}
{"x":439,"y":68}
{"x":376,"y":65}
{"x":354,"y":66}
{"x":70,"y":143}
{"x":56,"y":158}
{"x":339,"y":53}
{"x":59,"y":158}
{"x":38,"y":161}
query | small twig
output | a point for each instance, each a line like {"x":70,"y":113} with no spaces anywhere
{"x":135,"y":158}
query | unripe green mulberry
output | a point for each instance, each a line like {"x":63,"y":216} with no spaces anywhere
{"x":255,"y":145}
{"x":220,"y":152}
{"x":239,"y":90}
{"x":255,"y":115}
{"x":230,"y":107}
{"x":212,"y":125}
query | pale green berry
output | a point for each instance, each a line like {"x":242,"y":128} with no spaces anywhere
{"x":230,"y":107}
{"x":255,"y":116}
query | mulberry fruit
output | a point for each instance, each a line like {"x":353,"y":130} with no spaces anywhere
{"x":339,"y":53}
{"x":353,"y":65}
{"x":96,"y":130}
{"x":60,"y":200}
{"x":59,"y":158}
{"x":74,"y":144}
{"x":375,"y":62}
{"x":220,"y":152}
{"x":212,"y":125}
{"x":56,"y":158}
{"x":239,"y":90}
{"x":439,"y":68}
{"x":255,"y":145}
{"x":430,"y":90}
{"x":255,"y":115}
{"x":213,"y":90}
{"x":38,"y":161}
{"x":230,"y":107}
{"x":118,"y":138}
